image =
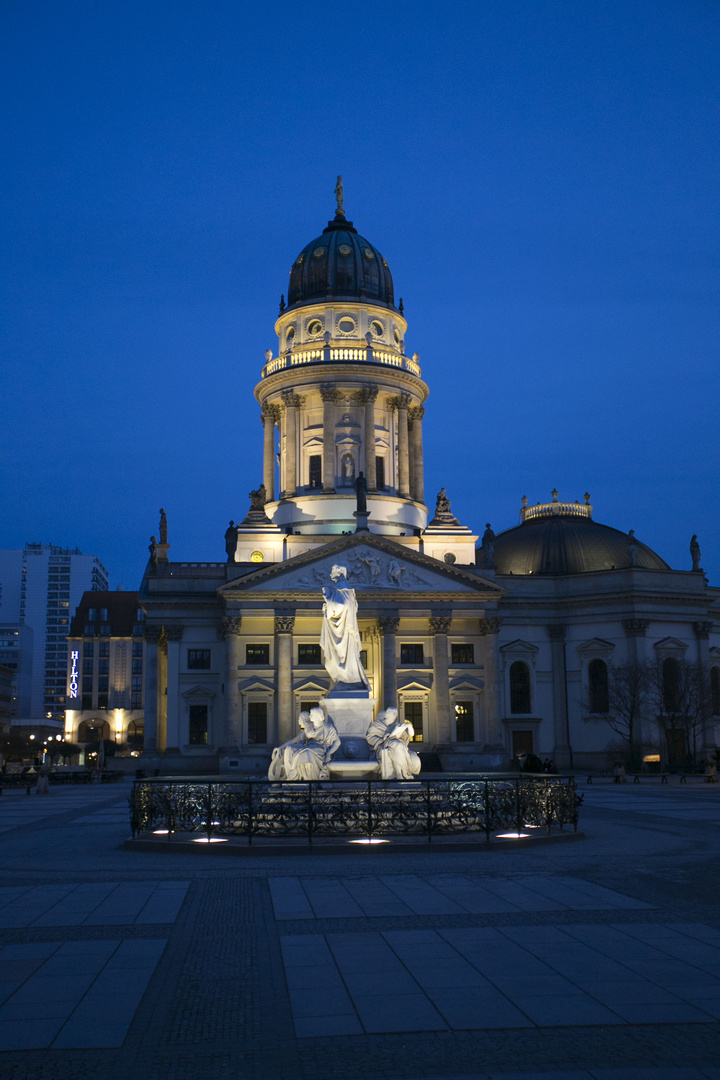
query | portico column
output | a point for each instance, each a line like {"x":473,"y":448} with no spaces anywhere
{"x":403,"y":476}
{"x":388,"y":626}
{"x":284,"y":625}
{"x":174,"y":637}
{"x":490,"y":628}
{"x":150,"y":711}
{"x":563,"y":750}
{"x":329,"y":396}
{"x":368,"y":395}
{"x":269,"y":419}
{"x":635,"y":630}
{"x":439,"y":626}
{"x":230,"y":630}
{"x":417,"y":470}
{"x":702,"y":634}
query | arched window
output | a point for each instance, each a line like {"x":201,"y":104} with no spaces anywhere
{"x":670,"y":684}
{"x":598,"y":686}
{"x":715,"y":690}
{"x":519,"y":687}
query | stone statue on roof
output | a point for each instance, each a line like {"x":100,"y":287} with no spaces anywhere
{"x":340,"y":198}
{"x":163,"y":526}
{"x":695,"y":553}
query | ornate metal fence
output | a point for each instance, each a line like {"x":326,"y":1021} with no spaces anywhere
{"x":489,"y":805}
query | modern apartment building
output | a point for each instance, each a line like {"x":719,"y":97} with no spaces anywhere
{"x":40,"y":585}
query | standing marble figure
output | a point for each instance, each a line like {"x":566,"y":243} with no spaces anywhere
{"x":339,"y":638}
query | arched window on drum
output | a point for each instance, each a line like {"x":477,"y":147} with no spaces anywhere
{"x":520,"y":697}
{"x":598,"y":686}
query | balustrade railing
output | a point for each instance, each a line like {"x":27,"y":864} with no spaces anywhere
{"x":217,"y":809}
{"x":341,"y":354}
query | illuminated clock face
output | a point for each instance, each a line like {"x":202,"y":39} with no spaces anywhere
{"x":257,"y":556}
{"x":345,"y":249}
{"x":368,"y":253}
{"x":319,"y":252}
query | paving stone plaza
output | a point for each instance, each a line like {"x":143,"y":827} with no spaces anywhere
{"x":598,"y":958}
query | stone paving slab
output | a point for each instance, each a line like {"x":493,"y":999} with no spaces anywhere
{"x":92,"y":904}
{"x":74,"y":994}
{"x":437,"y":894}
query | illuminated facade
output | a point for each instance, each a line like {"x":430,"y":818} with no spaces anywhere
{"x":488,"y":650}
{"x":105,"y":670}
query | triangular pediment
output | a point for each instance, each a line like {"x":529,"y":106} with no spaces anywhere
{"x":519,"y":646}
{"x":375,"y":564}
{"x":595,"y":645}
{"x":670,"y":644}
{"x":198,"y":691}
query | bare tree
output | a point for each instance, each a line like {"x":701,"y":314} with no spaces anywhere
{"x":625,"y":703}
{"x":680,"y":698}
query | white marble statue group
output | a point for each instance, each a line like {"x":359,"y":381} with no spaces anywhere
{"x":307,"y":756}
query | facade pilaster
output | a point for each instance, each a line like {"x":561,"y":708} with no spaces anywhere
{"x":388,"y":627}
{"x":439,"y":626}
{"x":270,"y":416}
{"x":232,"y":736}
{"x":152,"y":637}
{"x":284,"y":626}
{"x":329,"y":396}
{"x":292,"y":403}
{"x":173,"y":635}
{"x":702,"y":636}
{"x":417,"y":468}
{"x":563,"y":751}
{"x":367,"y":396}
{"x":489,"y":629}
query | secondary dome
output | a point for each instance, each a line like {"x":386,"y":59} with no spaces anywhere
{"x":562,"y":538}
{"x":340,"y":263}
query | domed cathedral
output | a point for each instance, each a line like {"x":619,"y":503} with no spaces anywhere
{"x":599,"y":635}
{"x":488,"y":650}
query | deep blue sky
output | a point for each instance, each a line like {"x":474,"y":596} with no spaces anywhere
{"x":541,"y":177}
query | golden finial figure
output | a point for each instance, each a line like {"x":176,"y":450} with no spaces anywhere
{"x":339,"y":196}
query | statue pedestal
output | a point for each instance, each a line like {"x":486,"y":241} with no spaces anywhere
{"x":352,"y":715}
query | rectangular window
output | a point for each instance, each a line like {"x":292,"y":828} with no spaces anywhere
{"x":198,"y":659}
{"x":92,"y":614}
{"x":137,"y":629}
{"x":103,"y":667}
{"x":135,"y":701}
{"x":411,"y":654}
{"x":102,"y":700}
{"x":464,"y":721}
{"x":103,"y":614}
{"x":137,"y":667}
{"x":88,"y":666}
{"x":103,"y":648}
{"x":137,"y":684}
{"x":105,"y":629}
{"x":257,"y":654}
{"x":463,"y":654}
{"x":89,"y":628}
{"x":306,"y":706}
{"x":88,"y":648}
{"x":363,"y":657}
{"x":257,"y":721}
{"x":380,"y":473}
{"x":103,"y":684}
{"x":87,"y":685}
{"x":315,"y":471}
{"x":309,"y":654}
{"x":198,"y":725}
{"x":87,"y":701}
{"x":137,"y":648}
{"x":413,"y":711}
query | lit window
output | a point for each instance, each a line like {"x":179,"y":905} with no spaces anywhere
{"x":464,"y":721}
{"x":257,"y":654}
{"x":463,"y":653}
